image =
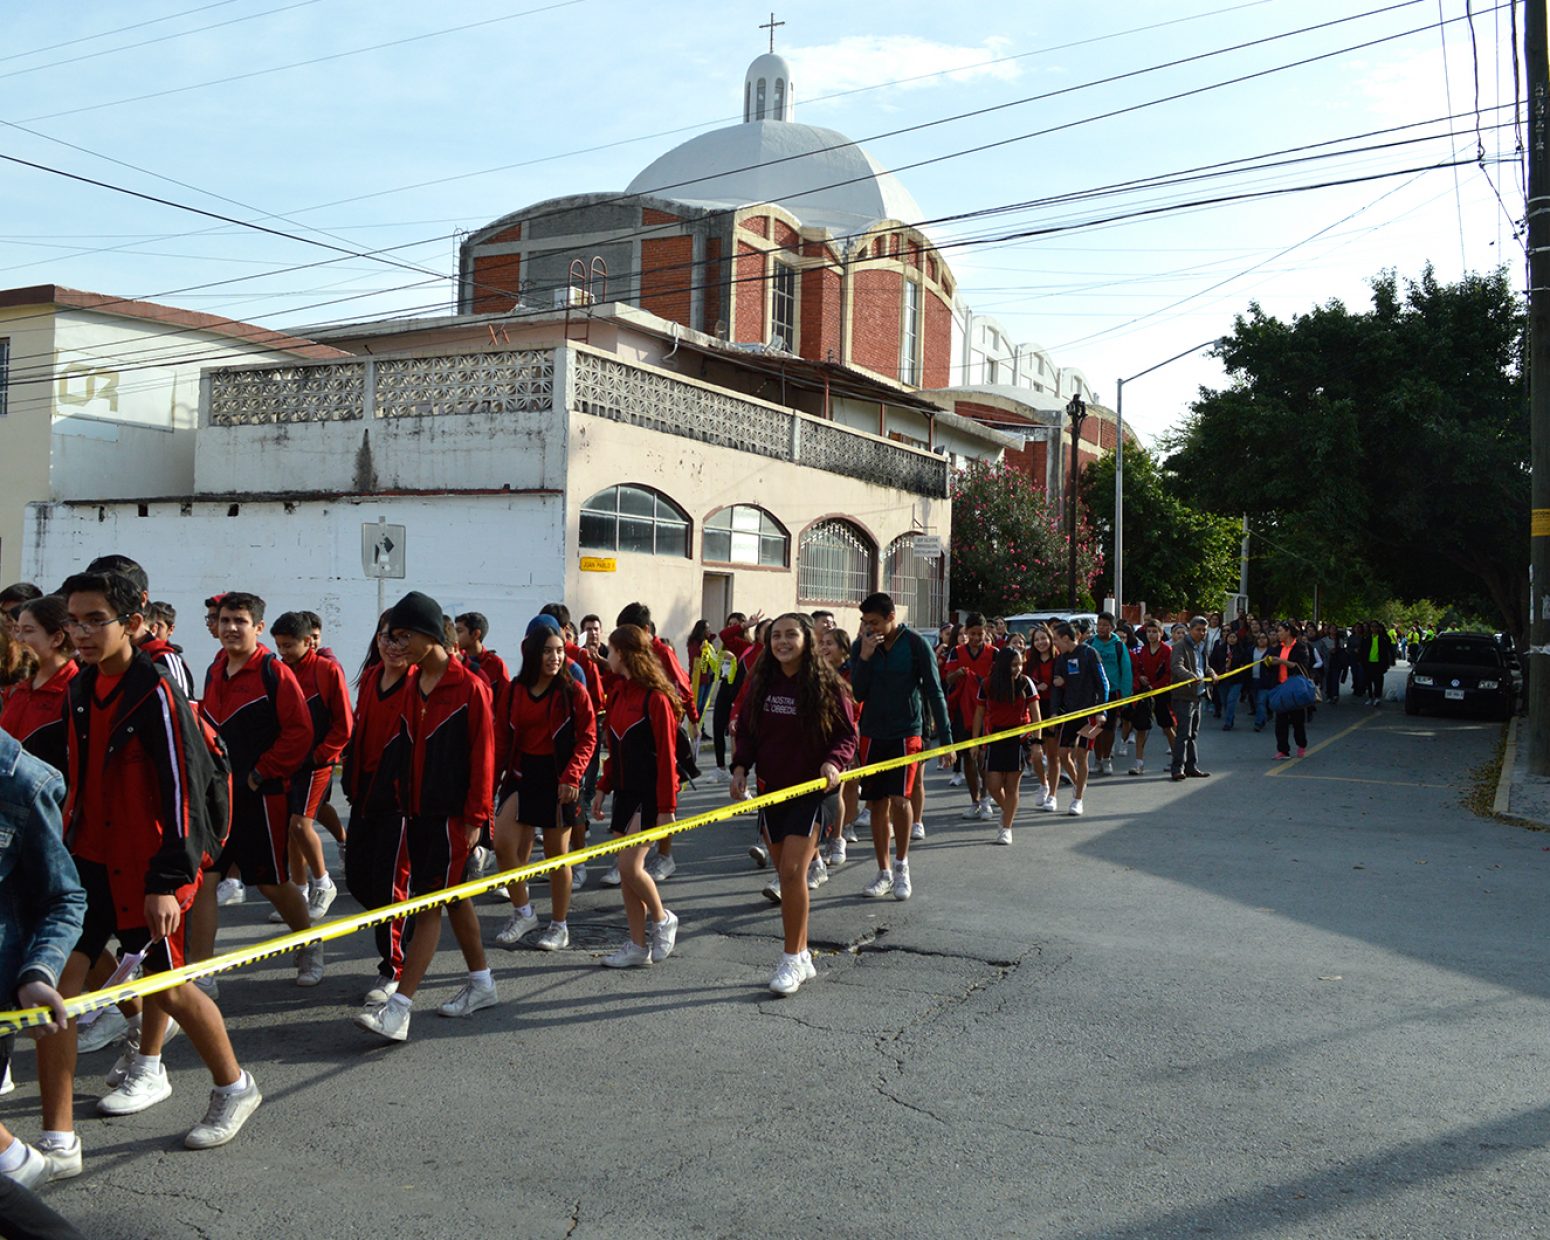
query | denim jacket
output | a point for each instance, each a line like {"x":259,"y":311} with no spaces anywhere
{"x":42,"y":903}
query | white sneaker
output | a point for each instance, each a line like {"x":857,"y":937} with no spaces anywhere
{"x":276,"y":918}
{"x":63,"y":1157}
{"x":516,"y":926}
{"x":1048,"y":804}
{"x":131,"y":1051}
{"x":390,"y":1021}
{"x":793,"y":971}
{"x":109,"y":1027}
{"x":320,"y":899}
{"x":225,"y":1116}
{"x":837,"y":853}
{"x":144,"y":1086}
{"x":309,"y":967}
{"x":384,"y":989}
{"x":1004,"y":836}
{"x":1106,"y":766}
{"x":817,"y":874}
{"x":1138,"y":769}
{"x":956,"y":781}
{"x":612,"y":879}
{"x":578,"y":877}
{"x":471,"y":997}
{"x":918,"y":831}
{"x":771,"y":889}
{"x":664,"y":936}
{"x":973,"y":812}
{"x":901,"y":880}
{"x":849,"y":833}
{"x":554,"y":938}
{"x":230,"y":891}
{"x":882,"y":885}
{"x":480,"y":859}
{"x":1076,"y":808}
{"x":7,"y":1081}
{"x":34,"y":1168}
{"x":631,"y":956}
{"x":663,"y":867}
{"x":987,"y":810}
{"x":760,"y":855}
{"x":863,"y":819}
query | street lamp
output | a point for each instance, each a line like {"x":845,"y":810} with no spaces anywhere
{"x":1076,"y":410}
{"x":1119,"y":469}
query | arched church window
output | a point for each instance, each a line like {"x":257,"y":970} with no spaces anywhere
{"x":759,"y":99}
{"x":634,"y":518}
{"x":834,"y":563}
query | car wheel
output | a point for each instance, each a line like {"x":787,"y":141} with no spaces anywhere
{"x":1412,"y":707}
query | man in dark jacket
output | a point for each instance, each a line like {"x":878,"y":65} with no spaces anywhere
{"x":1190,"y":679}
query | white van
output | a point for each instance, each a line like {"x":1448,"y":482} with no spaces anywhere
{"x":1024,"y":622}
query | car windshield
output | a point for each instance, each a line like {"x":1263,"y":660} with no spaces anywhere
{"x":1465,"y":654}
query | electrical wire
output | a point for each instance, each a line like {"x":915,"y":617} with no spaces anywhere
{"x":1447,"y":87}
{"x":103,"y":34}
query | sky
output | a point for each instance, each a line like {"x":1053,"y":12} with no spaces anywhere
{"x":389,"y":126}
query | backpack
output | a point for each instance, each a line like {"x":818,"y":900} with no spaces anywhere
{"x":683,"y":754}
{"x":212,"y":780}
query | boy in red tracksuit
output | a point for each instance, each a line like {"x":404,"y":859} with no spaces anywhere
{"x":967,"y":668}
{"x":472,"y":628}
{"x":258,"y":707}
{"x":328,"y":705}
{"x":445,"y":784}
{"x":137,"y":824}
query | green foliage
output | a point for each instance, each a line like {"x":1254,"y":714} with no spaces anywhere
{"x":1010,"y":550}
{"x":1378,"y":454}
{"x":1176,"y":557}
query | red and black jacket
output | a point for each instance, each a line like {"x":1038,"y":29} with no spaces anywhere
{"x":155,"y":753}
{"x":447,"y":764}
{"x":374,"y":754}
{"x":490,"y":668}
{"x":36,"y":717}
{"x":327,"y":694}
{"x":642,"y":746}
{"x":164,"y":654}
{"x":566,"y":708}
{"x":262,"y":716}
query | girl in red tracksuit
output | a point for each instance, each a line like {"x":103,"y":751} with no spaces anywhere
{"x":642,"y":774}
{"x":384,"y":686}
{"x":545,"y":733}
{"x":34,"y":713}
{"x":1007,"y":699}
{"x":1039,"y":667}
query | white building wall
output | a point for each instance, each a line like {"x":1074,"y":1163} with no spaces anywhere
{"x":499,"y":554}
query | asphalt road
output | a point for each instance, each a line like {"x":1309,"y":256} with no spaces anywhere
{"x":1301,"y":999}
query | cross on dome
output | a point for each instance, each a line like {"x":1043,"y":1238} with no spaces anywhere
{"x":771,"y":26}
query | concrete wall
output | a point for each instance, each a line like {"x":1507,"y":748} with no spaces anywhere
{"x":24,"y":430}
{"x":499,"y":554}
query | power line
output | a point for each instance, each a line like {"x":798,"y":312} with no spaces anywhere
{"x":87,"y":38}
{"x":1447,"y":87}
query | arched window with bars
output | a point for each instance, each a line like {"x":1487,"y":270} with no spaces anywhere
{"x":916,"y":581}
{"x":835,"y":563}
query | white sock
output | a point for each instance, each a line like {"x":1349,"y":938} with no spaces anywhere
{"x":153,"y":1062}
{"x":526,"y":910}
{"x":480,"y":977}
{"x":322,"y":880}
{"x":236,"y":1087}
{"x":399,"y":999}
{"x":560,"y":924}
{"x":66,"y":1139}
{"x":13,"y":1156}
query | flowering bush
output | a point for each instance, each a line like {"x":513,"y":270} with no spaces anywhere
{"x":1010,"y":550}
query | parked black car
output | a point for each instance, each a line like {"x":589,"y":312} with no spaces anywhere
{"x":1467,"y":671}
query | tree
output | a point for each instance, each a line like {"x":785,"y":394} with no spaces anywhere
{"x":1378,"y":453}
{"x":1009,"y":551}
{"x":1176,"y":557}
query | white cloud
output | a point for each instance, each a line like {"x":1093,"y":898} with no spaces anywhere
{"x":861,"y":61}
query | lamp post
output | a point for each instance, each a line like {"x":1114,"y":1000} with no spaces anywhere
{"x":1119,"y":470}
{"x":1076,"y":410}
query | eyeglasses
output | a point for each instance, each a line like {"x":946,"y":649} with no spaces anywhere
{"x":88,"y":627}
{"x":392,"y":639}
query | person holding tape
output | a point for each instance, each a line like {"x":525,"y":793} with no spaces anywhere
{"x":1191,"y":679}
{"x":139,"y":821}
{"x":796,"y":725}
{"x":445,"y":777}
{"x":545,"y":733}
{"x":893,"y":670}
{"x":641,"y":772}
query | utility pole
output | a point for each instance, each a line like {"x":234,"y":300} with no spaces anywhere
{"x":1536,"y":66}
{"x":1076,"y":410}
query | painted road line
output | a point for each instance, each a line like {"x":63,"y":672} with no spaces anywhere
{"x":1286,"y":766}
{"x":1352,"y":779}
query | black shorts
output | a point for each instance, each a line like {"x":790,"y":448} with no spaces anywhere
{"x":538,"y":794}
{"x":900,"y":781}
{"x":1004,"y":756}
{"x":433,"y":851}
{"x":1068,"y":733}
{"x":259,"y":843}
{"x":101,"y":925}
{"x":1111,"y":720}
{"x":801,"y":816}
{"x":627,"y":804}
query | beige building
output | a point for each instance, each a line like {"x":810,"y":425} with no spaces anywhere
{"x":99,"y":397}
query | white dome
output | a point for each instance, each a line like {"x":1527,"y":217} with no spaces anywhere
{"x":819,"y":175}
{"x":767,"y":92}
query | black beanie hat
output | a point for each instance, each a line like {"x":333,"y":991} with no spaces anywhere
{"x":419,"y":613}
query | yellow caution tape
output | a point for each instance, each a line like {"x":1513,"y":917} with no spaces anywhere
{"x":27,"y":1018}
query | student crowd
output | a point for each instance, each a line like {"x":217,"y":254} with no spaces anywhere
{"x":136,"y":802}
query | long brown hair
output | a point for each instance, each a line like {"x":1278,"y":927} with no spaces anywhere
{"x":820,"y":691}
{"x":640,"y":662}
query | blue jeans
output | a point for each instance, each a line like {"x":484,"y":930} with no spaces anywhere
{"x":1230,"y":700}
{"x":1261,"y":705}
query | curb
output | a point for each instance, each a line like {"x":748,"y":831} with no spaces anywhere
{"x":1502,"y":802}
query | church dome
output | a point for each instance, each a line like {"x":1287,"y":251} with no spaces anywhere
{"x":819,"y":175}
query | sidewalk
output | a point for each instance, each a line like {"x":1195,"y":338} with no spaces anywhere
{"x":1519,"y":794}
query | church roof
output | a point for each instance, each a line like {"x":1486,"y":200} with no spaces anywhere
{"x":819,"y":175}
